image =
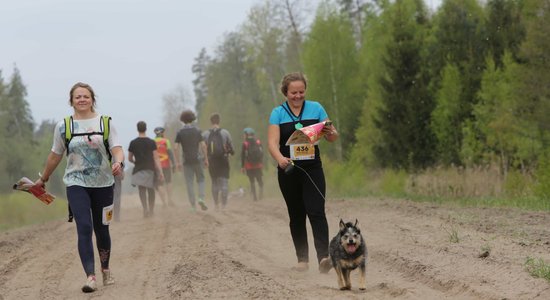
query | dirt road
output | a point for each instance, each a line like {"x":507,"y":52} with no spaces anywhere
{"x":245,"y":252}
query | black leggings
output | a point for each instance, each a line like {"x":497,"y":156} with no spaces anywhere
{"x":255,"y":175}
{"x":87,"y":205}
{"x":302,"y":199}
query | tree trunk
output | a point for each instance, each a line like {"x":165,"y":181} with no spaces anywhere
{"x":335,"y":105}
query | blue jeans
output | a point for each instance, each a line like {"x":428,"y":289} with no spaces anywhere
{"x":190,"y":172}
{"x":220,"y":188}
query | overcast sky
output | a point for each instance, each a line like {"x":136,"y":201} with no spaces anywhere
{"x":132,"y":52}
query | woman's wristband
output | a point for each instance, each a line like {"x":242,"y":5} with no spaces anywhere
{"x":42,"y":178}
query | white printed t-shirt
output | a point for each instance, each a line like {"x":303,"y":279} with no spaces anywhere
{"x":88,"y":162}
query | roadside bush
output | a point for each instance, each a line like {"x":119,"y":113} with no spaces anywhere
{"x":517,"y":184}
{"x":345,"y":179}
{"x":457,"y":182}
{"x":542,"y":175}
{"x":393,"y":183}
{"x":19,"y":209}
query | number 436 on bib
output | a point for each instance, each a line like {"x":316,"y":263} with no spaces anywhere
{"x":302,"y":151}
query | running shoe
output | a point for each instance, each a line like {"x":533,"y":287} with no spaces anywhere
{"x":301,"y":267}
{"x":108,"y":278}
{"x":202,"y":204}
{"x":325,"y":265}
{"x":90,"y":285}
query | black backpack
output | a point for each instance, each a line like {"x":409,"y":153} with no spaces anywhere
{"x":254,"y":152}
{"x":215,"y":145}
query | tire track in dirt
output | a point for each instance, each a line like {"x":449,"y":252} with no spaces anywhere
{"x":421,"y":273}
{"x":31,"y":254}
{"x":11,"y":265}
{"x":139,"y":249}
{"x":51,"y":285}
{"x":14,"y":252}
{"x":203,"y":270}
{"x":412,"y":239}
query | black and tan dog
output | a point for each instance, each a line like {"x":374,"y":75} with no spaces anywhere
{"x":348,"y":251}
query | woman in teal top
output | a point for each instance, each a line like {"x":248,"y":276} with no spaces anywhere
{"x":304,"y":195}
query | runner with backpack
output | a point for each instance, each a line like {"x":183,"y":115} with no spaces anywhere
{"x":219,"y":146}
{"x":94,"y":157}
{"x":252,"y":156}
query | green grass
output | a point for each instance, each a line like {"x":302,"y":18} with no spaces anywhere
{"x":538,"y":268}
{"x":526,"y":203}
{"x":19,"y":209}
{"x":453,"y":234}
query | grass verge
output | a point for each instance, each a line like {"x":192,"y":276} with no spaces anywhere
{"x":19,"y":209}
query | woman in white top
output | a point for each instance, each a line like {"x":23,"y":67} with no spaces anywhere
{"x":89,"y":177}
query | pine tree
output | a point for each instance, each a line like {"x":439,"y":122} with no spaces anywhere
{"x":533,"y":73}
{"x":445,"y":117}
{"x":404,"y":117}
{"x":509,"y":138}
{"x":199,"y":84}
{"x":4,"y":145}
{"x":330,"y":62}
{"x":18,"y":127}
{"x":505,"y":29}
{"x":460,"y":40}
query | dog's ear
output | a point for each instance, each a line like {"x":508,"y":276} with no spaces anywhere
{"x":355,"y":225}
{"x":342,"y":225}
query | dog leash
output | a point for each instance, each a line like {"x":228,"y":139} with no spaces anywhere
{"x":290,"y":168}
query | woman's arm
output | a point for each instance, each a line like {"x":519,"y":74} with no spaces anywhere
{"x":51,"y":163}
{"x":202,"y":148}
{"x":118,"y":160}
{"x":177,"y":156}
{"x":331,"y":134}
{"x":273,"y":138}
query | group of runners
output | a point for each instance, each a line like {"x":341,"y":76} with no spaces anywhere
{"x":95,"y":161}
{"x":193,"y":150}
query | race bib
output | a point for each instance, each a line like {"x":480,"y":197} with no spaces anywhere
{"x":108,"y":214}
{"x":302,"y":151}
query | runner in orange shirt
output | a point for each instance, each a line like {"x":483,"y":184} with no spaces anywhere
{"x":167,"y":162}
